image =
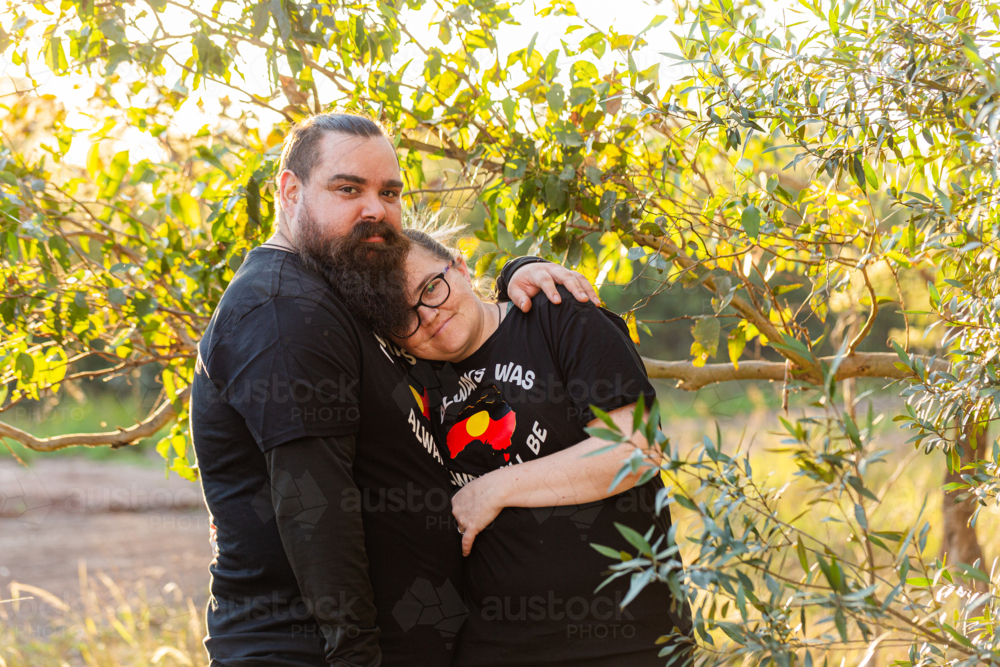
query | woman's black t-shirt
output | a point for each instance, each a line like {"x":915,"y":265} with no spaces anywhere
{"x":531,"y":576}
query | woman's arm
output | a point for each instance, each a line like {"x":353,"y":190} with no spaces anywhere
{"x":566,"y":477}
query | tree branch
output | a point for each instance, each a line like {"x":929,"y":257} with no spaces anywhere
{"x":749,"y":313}
{"x":455,"y":154}
{"x":692,"y":378}
{"x":123,"y":436}
{"x":870,"y":322}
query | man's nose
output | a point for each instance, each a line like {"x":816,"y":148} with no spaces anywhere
{"x":373,"y":207}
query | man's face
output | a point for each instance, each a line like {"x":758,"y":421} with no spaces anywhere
{"x":345,"y":225}
{"x":355,"y":180}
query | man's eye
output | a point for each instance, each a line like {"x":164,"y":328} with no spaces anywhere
{"x":430,"y":289}
{"x":392,"y":194}
{"x":349,"y":189}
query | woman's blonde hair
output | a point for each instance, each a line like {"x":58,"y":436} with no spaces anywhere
{"x":432,"y":232}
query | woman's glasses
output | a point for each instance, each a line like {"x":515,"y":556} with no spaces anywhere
{"x":434,"y":294}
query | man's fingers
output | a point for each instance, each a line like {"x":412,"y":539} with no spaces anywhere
{"x":519,"y":297}
{"x":575,"y":286}
{"x":549,"y":287}
{"x":573,"y":281}
{"x":589,"y":290}
{"x":581,"y":287}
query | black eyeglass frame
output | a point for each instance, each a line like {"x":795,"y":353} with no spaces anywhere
{"x":420,"y":301}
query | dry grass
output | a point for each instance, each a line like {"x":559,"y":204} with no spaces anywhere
{"x":112,"y":624}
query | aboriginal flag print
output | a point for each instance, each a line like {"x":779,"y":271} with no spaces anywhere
{"x":407,"y":396}
{"x":489,"y":421}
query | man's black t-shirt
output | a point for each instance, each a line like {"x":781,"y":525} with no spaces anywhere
{"x":283,"y":361}
{"x":531,"y":577}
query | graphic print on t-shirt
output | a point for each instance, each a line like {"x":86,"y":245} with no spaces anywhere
{"x":489,"y":421}
{"x":411,"y":395}
{"x":406,"y":395}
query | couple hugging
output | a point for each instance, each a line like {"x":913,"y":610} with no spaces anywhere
{"x":394,"y":466}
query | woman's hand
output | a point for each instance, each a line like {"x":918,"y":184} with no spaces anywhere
{"x":529,"y":280}
{"x":476,"y":505}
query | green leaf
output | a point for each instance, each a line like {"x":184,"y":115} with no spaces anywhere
{"x":484,"y":263}
{"x":856,"y":167}
{"x":607,"y":551}
{"x":737,"y":341}
{"x":635,"y":539}
{"x":838,"y":618}
{"x":117,"y":296}
{"x":607,"y":205}
{"x":556,"y":98}
{"x":852,"y":430}
{"x":870,"y":176}
{"x":706,"y":336}
{"x":25,"y":367}
{"x":860,"y":517}
{"x":750,"y":220}
{"x":604,"y":434}
{"x":934,"y":296}
{"x":606,"y":418}
{"x":555,"y":192}
{"x":858,"y":485}
{"x":190,"y":212}
{"x":905,"y":358}
{"x":281,"y":18}
{"x":509,"y":110}
{"x":638,"y":413}
{"x":531,"y":48}
{"x":785,"y":289}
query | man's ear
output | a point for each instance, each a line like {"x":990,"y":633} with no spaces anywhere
{"x":289,"y":193}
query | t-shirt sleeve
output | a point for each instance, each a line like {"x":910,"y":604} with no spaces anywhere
{"x":325,"y":544}
{"x":291,"y":372}
{"x":597,"y":360}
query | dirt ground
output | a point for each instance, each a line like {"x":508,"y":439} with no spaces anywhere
{"x":67,"y":520}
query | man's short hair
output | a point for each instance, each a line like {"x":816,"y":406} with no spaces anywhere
{"x":301,"y":145}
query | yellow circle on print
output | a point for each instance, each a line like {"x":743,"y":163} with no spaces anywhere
{"x":477,"y":423}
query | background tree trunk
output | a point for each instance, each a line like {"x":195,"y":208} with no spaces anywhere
{"x":960,"y":542}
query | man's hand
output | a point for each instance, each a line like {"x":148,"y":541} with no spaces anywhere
{"x":542,"y":277}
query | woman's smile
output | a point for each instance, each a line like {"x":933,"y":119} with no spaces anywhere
{"x":443,"y":325}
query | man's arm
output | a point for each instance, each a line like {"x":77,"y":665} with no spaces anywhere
{"x":325,"y":543}
{"x":524,"y":277}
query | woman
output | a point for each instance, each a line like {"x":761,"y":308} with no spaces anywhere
{"x":510,"y":428}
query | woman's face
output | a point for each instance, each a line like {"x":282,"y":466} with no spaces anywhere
{"x":451,"y":331}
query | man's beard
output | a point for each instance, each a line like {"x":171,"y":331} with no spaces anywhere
{"x":370,"y":278}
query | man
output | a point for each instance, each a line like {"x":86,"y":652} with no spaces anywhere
{"x":335,"y":541}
